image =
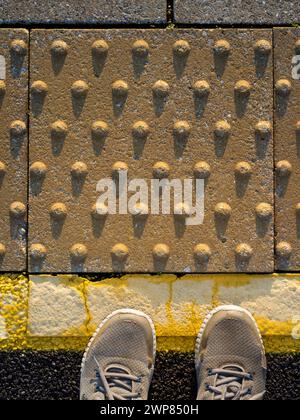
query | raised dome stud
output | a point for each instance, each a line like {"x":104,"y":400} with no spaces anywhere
{"x":202,"y":170}
{"x":263,"y":47}
{"x":222,"y":129}
{"x":243,"y":88}
{"x":284,"y":250}
{"x":17,"y":209}
{"x":38,"y":251}
{"x":59,"y":48}
{"x":38,"y":169}
{"x":223,"y":210}
{"x":100,"y":129}
{"x":140,"y":210}
{"x":119,"y":167}
{"x":263,"y":129}
{"x":264,"y":211}
{"x":2,"y":250}
{"x":181,"y":130}
{"x":283,"y":168}
{"x":18,"y":128}
{"x":161,"y":89}
{"x":100,"y":48}
{"x":58,"y":211}
{"x":283,"y":87}
{"x":140,"y":48}
{"x":120,"y":89}
{"x":161,"y":170}
{"x":182,"y":210}
{"x":78,"y":252}
{"x":243,"y":169}
{"x":79,"y":89}
{"x":99,"y":210}
{"x":120,"y":252}
{"x":2,"y":88}
{"x":140,"y":130}
{"x":222,"y":47}
{"x":79,"y":170}
{"x":59,"y":129}
{"x":297,"y":46}
{"x":202,"y":253}
{"x":2,"y":169}
{"x":201,"y":88}
{"x":181,"y":48}
{"x":18,"y":47}
{"x":243,"y":252}
{"x":39,"y":87}
{"x":297,"y":209}
{"x":161,"y":251}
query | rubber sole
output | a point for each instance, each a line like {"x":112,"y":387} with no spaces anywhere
{"x":225,"y":308}
{"x":108,"y":318}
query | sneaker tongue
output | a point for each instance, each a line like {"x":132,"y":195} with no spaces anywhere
{"x":118,"y":369}
{"x":233,"y":368}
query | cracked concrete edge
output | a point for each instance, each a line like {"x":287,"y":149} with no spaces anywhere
{"x":61,"y":312}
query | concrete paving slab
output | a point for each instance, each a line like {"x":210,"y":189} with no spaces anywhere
{"x":30,"y":12}
{"x":237,"y":12}
{"x":287,"y":147}
{"x":14,"y":148}
{"x":183,"y":104}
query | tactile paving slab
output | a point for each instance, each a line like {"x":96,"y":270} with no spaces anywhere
{"x":287,"y":147}
{"x":177,"y":104}
{"x":13,"y":152}
{"x":238,"y":12}
{"x":86,"y":12}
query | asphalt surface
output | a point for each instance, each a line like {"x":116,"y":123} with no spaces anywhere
{"x":55,"y":376}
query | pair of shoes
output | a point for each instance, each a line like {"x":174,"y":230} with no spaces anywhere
{"x":229,"y":357}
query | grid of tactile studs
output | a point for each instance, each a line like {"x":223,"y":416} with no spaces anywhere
{"x":287,"y":147}
{"x":13,"y":151}
{"x":176,"y":104}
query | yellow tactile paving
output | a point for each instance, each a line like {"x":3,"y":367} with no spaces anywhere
{"x":287,"y":147}
{"x":182,"y":104}
{"x":14,"y":56}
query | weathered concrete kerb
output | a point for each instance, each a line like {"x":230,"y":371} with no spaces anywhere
{"x":62,"y":312}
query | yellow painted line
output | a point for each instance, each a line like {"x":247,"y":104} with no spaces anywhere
{"x":61,"y":312}
{"x":164,"y":344}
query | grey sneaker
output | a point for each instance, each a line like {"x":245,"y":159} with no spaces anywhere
{"x":119,"y":361}
{"x":230,"y":357}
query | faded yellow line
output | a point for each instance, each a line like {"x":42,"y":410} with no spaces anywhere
{"x":173,"y":335}
{"x":274,"y":344}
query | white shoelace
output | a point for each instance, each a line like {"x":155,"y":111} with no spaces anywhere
{"x":230,"y":384}
{"x":116,"y":383}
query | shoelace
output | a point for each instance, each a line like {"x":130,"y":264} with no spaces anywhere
{"x":116,"y":383}
{"x":229,"y":384}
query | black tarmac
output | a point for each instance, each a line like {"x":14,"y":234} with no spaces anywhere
{"x":36,"y":375}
